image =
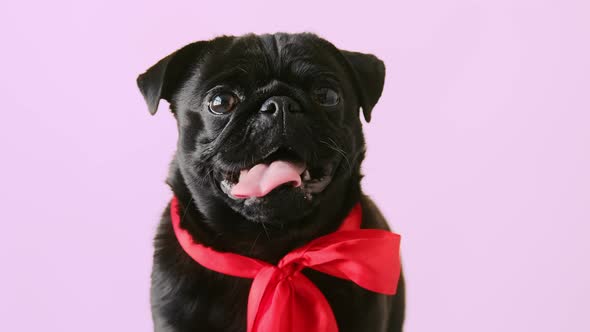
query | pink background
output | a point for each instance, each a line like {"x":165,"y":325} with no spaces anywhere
{"x":479,"y":153}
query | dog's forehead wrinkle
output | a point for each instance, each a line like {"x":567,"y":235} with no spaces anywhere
{"x":262,"y":58}
{"x":283,"y":51}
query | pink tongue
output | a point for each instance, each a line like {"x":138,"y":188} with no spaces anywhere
{"x":262,"y":179}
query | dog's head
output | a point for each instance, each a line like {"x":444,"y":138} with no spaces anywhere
{"x":268,"y":125}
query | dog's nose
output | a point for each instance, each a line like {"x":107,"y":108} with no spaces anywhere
{"x":283,"y":103}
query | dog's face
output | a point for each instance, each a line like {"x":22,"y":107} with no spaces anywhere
{"x":268,"y":125}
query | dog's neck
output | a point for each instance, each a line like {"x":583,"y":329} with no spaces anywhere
{"x":223,"y":229}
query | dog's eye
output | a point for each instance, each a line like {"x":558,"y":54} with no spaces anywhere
{"x":326,"y":97}
{"x":223,"y":103}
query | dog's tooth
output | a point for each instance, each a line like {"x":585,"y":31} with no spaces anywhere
{"x":318,"y":185}
{"x":306,"y":176}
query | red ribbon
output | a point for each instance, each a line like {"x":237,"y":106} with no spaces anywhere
{"x":281,"y":297}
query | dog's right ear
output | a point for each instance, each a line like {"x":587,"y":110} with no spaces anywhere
{"x":163,"y":79}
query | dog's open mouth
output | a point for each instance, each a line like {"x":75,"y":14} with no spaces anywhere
{"x":282,"y":169}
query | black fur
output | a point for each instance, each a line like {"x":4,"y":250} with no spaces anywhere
{"x":188,"y":297}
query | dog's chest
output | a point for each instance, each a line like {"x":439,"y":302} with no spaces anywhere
{"x":208,"y":301}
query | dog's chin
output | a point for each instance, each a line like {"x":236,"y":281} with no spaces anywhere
{"x":285,"y":204}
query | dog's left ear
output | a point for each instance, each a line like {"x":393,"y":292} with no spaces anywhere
{"x":369,"y":75}
{"x":163,"y":79}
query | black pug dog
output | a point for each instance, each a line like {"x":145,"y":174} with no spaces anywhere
{"x":287,"y":99}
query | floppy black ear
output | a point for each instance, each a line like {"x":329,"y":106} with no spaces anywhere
{"x":163,"y":79}
{"x":369,"y":74}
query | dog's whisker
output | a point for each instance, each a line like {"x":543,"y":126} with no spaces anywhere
{"x":186,"y":208}
{"x":242,"y":69}
{"x":339,"y":151}
{"x":265,"y":230}
{"x":254,"y":243}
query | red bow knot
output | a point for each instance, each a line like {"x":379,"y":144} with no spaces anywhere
{"x":282,"y":298}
